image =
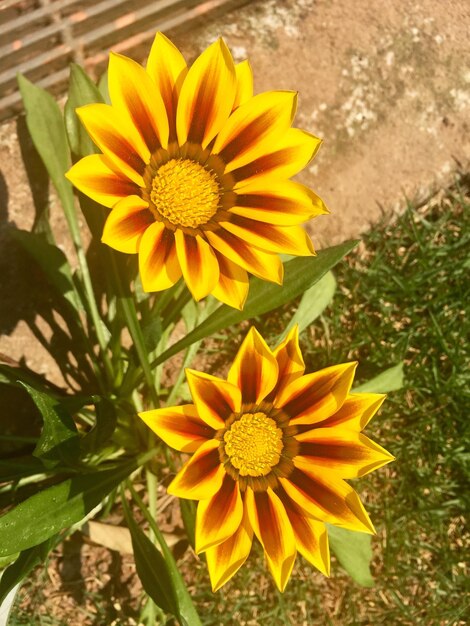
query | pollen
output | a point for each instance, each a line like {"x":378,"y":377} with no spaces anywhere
{"x":185,"y":193}
{"x":254,"y":444}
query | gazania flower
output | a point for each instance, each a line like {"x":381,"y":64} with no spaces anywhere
{"x":271,"y":449}
{"x":196,"y":170}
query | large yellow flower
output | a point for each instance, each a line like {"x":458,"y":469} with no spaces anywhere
{"x":196,"y":170}
{"x":272,"y":448}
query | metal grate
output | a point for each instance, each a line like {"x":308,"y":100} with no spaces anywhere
{"x":39,"y":38}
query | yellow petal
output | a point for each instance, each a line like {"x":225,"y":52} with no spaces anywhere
{"x":117,"y":138}
{"x":202,"y":476}
{"x":126,"y":224}
{"x":314,"y":397}
{"x":265,"y":265}
{"x":207,"y":96}
{"x":219,"y":517}
{"x":252,"y":129}
{"x":158,"y":264}
{"x":198,"y":264}
{"x":180,"y":427}
{"x":135,"y":95}
{"x":225,"y":559}
{"x":244,"y":83}
{"x":272,"y":527}
{"x":356,"y":412}
{"x":347,"y":453}
{"x":289,"y":359}
{"x":232,"y":288}
{"x":280,"y":239}
{"x":215,"y":399}
{"x":254,"y":369}
{"x":95,"y":177}
{"x":285,"y":202}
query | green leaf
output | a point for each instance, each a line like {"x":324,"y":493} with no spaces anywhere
{"x":53,"y":263}
{"x":353,"y":550}
{"x":82,"y":91}
{"x":389,"y":380}
{"x":188,"y":514}
{"x":102,"y":431}
{"x":299,"y":275}
{"x":49,"y":511}
{"x":313,"y":302}
{"x":59,"y":440}
{"x":151,"y":568}
{"x":24,"y":564}
{"x":18,"y":467}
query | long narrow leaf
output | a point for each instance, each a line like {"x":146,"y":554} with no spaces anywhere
{"x":353,"y":550}
{"x":387,"y":381}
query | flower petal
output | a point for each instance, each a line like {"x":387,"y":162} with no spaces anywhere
{"x":233,"y":285}
{"x":356,"y":412}
{"x":281,"y":239}
{"x":271,"y":525}
{"x":135,"y":95}
{"x":254,"y":369}
{"x":265,"y":265}
{"x":287,"y":157}
{"x":158,"y":264}
{"x":345,"y":452}
{"x":215,"y":399}
{"x":95,"y":177}
{"x":252,"y":129}
{"x":117,"y":137}
{"x":225,"y":559}
{"x":244,"y":83}
{"x":207,"y":96}
{"x":180,"y":427}
{"x":126,"y":224}
{"x":271,"y":201}
{"x":314,"y":397}
{"x":202,"y":476}
{"x":198,"y":264}
{"x":327,"y":498}
{"x":219,"y":518}
{"x":289,"y":359}
{"x":167,"y":67}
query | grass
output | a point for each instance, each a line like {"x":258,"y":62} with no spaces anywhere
{"x":401,"y":297}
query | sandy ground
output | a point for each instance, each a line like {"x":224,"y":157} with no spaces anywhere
{"x":386,"y":85}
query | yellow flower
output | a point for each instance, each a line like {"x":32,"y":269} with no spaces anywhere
{"x":196,"y":170}
{"x":272,"y":447}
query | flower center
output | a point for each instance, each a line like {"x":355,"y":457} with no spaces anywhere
{"x":254,"y":444}
{"x":185,"y":193}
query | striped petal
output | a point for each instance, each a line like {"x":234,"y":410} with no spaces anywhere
{"x":262,"y":264}
{"x":356,"y":412}
{"x":289,"y":359}
{"x":207,"y":96}
{"x":215,"y":399}
{"x":345,"y":452}
{"x":233,"y":285}
{"x":167,"y":68}
{"x":286,"y":158}
{"x":202,"y":476}
{"x":273,"y":529}
{"x":126,"y":224}
{"x":198,"y":264}
{"x":117,"y":137}
{"x":279,"y":239}
{"x":314,"y":397}
{"x":95,"y":176}
{"x":252,"y":129}
{"x":225,"y":559}
{"x":219,"y":517}
{"x":180,"y":427}
{"x":135,"y":95}
{"x":244,"y":89}
{"x":327,"y":498}
{"x":254,"y":369}
{"x":285,"y":203}
{"x":158,"y":264}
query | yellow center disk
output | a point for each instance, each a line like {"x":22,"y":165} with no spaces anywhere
{"x":253,"y":444}
{"x":185,"y":193}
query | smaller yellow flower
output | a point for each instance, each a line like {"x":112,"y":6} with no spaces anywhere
{"x":272,"y":447}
